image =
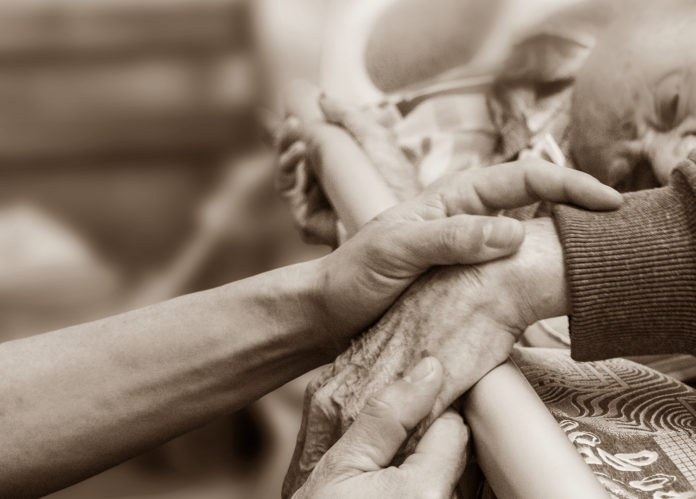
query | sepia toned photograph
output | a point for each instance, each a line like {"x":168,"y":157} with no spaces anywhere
{"x":348,"y":249}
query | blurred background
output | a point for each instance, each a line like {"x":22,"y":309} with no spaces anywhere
{"x":133,"y":169}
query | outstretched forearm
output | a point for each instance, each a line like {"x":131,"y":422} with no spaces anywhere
{"x":79,"y":400}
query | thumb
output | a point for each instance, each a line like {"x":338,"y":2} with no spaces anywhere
{"x":440,"y":457}
{"x":386,"y":420}
{"x":461,"y":239}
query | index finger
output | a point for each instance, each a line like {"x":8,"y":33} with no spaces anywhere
{"x":441,"y":455}
{"x":512,"y":185}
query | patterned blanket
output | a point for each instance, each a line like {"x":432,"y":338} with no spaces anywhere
{"x":635,"y":427}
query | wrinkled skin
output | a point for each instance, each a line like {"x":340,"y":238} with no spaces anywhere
{"x":359,"y":466}
{"x":634,"y":108}
{"x":467,"y":317}
{"x":633,"y":120}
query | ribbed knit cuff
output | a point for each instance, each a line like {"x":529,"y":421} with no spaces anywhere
{"x":632,"y":272}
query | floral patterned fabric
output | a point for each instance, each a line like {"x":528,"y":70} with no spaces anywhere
{"x":634,"y":427}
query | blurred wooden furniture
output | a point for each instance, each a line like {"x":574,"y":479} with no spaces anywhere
{"x":80,"y":78}
{"x":118,"y":116}
{"x":118,"y":120}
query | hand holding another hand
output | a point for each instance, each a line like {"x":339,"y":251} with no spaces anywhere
{"x":358,"y":465}
{"x":466,"y":316}
{"x":450,"y":223}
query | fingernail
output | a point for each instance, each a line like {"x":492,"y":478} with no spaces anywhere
{"x":503,"y":233}
{"x":421,"y":371}
{"x":611,"y":192}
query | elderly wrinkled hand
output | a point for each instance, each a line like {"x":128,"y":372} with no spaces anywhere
{"x":358,"y":465}
{"x":468,"y":317}
{"x":452,"y":222}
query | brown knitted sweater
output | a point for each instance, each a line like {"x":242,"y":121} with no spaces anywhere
{"x":632,"y":272}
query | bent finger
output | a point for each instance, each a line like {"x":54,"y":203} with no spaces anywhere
{"x":440,"y":457}
{"x":292,"y":156}
{"x":386,"y":420}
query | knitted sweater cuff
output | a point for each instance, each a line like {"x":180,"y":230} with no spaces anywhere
{"x":632,"y":272}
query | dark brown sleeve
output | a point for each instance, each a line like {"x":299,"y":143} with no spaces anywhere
{"x":632,"y":272}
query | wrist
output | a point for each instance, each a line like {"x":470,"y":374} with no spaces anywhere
{"x":540,"y":271}
{"x":327,"y":332}
{"x":294,"y":296}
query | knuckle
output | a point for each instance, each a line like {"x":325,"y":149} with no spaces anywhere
{"x":532,"y":164}
{"x":467,"y":237}
{"x":377,"y":407}
{"x":296,"y":149}
{"x":434,"y":200}
{"x":383,"y":236}
{"x":538,"y":168}
{"x":450,"y":236}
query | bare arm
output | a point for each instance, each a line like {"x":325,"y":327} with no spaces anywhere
{"x":79,"y":400}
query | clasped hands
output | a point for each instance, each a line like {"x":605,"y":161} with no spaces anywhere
{"x":494,"y":276}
